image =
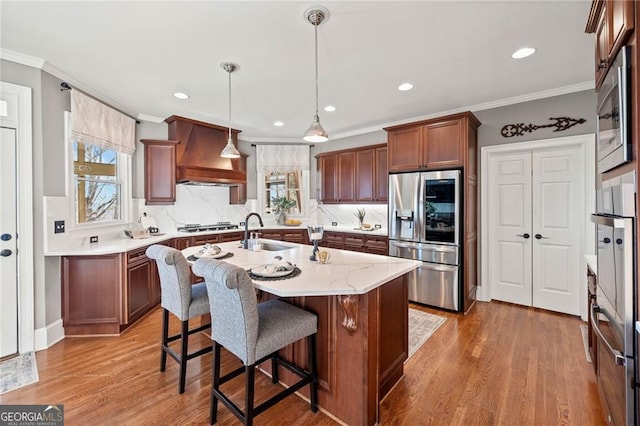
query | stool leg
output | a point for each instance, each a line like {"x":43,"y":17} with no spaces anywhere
{"x":313,"y":390}
{"x":165,"y":338}
{"x":248,"y":406}
{"x":215,"y":383}
{"x":274,"y":370}
{"x":184,"y":338}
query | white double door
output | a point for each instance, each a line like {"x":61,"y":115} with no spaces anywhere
{"x":536,"y":213}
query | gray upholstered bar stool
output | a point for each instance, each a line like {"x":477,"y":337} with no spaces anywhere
{"x":254,"y":332}
{"x":184,"y":300}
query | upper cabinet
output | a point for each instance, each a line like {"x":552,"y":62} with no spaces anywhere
{"x":159,"y":171}
{"x":612,"y":21}
{"x":439,"y":143}
{"x":357,"y":175}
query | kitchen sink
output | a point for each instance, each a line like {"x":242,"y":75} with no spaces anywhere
{"x":275,"y":247}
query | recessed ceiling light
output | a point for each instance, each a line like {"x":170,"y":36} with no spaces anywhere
{"x":181,"y":95}
{"x":523,"y":53}
{"x":405,"y":86}
{"x":329,"y":108}
{"x":278,"y":123}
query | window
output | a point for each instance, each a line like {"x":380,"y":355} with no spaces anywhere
{"x":279,"y":185}
{"x":98,"y":176}
{"x":96,"y":185}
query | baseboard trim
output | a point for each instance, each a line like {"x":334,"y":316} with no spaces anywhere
{"x":48,"y":336}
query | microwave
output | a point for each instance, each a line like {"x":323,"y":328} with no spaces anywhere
{"x":613,"y":124}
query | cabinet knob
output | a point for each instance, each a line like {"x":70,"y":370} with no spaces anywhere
{"x":603,"y":64}
{"x":5,"y":253}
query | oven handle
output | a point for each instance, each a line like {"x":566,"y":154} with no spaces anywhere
{"x":610,"y":221}
{"x":618,"y":358}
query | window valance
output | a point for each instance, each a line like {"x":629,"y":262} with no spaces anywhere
{"x":282,"y":157}
{"x":95,"y":123}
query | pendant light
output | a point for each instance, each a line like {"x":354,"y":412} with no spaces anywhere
{"x":316,"y":133}
{"x":229,"y":151}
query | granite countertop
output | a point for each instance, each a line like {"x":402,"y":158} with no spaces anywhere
{"x":346,"y":273}
{"x":124,"y":244}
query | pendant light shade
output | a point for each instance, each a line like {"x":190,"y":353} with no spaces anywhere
{"x":230,"y":150}
{"x":316,"y":133}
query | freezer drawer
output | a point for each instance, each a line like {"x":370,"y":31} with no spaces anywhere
{"x":436,"y":285}
{"x":435,"y":253}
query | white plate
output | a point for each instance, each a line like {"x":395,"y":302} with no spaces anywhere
{"x":211,"y":256}
{"x":260,"y":271}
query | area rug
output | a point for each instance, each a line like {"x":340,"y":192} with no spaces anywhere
{"x":421,"y":326}
{"x":17,"y":372}
{"x":585,"y":341}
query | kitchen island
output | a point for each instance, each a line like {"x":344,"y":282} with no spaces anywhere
{"x":362,"y":307}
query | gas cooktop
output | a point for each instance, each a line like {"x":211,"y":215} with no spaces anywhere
{"x":195,"y":227}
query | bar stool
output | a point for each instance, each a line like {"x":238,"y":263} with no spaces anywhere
{"x":254,"y":332}
{"x":184,"y":300}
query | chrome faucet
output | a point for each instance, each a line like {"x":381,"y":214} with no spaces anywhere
{"x":245,"y":242}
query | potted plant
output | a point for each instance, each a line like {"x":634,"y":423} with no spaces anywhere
{"x":360,"y":214}
{"x":281,"y":206}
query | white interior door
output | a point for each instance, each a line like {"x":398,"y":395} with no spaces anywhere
{"x":8,"y":245}
{"x":536,"y":203}
{"x":510,"y":227}
{"x":558,"y":200}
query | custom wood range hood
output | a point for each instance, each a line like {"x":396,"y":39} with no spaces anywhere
{"x":198,"y":157}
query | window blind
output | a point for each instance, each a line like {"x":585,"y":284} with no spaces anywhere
{"x":95,"y":123}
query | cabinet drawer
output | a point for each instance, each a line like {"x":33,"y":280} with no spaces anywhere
{"x":354,"y":240}
{"x":271,"y":234}
{"x":204,"y":239}
{"x":137,"y":255}
{"x":334,"y":237}
{"x":230,"y":236}
{"x":294,"y":236}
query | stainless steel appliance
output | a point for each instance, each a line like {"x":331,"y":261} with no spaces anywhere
{"x":424,"y":224}
{"x":195,"y":227}
{"x":613,"y":122}
{"x":613,"y":315}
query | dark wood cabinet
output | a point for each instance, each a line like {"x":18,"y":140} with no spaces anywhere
{"x":333,"y":239}
{"x":238,"y":193}
{"x":443,"y":144}
{"x":141,"y":283}
{"x":354,"y":242}
{"x":357,"y":175}
{"x":106,"y":294}
{"x":377,"y":245}
{"x":405,"y":149}
{"x":299,"y":236}
{"x":381,"y":175}
{"x":328,"y":178}
{"x":613,"y":22}
{"x":159,"y":171}
{"x":440,"y":143}
{"x":373,"y":244}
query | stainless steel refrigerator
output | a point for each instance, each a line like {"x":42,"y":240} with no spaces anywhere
{"x":425,"y":224}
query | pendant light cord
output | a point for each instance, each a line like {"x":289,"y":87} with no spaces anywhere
{"x":229,"y":72}
{"x":316,"y":42}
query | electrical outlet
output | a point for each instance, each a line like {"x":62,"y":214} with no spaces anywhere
{"x":242,"y":223}
{"x":334,"y":223}
{"x":58,"y":226}
{"x":93,"y":239}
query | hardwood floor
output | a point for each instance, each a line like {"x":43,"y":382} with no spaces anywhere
{"x":500,"y":365}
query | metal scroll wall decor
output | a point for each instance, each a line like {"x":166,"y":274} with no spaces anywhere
{"x":519,"y":129}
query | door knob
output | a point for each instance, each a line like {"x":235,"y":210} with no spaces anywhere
{"x":606,"y":240}
{"x":540,"y":237}
{"x":5,"y":237}
{"x":523,"y":235}
{"x":5,"y":253}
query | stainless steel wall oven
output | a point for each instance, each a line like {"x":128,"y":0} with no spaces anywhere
{"x":613,"y":315}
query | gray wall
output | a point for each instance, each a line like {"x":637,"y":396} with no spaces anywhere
{"x":538,"y":112}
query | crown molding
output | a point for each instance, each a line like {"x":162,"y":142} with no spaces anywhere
{"x":21,"y":58}
{"x":150,"y":118}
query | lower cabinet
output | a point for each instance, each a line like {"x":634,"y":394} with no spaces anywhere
{"x":106,"y":294}
{"x":372,"y":244}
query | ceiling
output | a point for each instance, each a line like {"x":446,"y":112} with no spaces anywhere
{"x":135,"y":55}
